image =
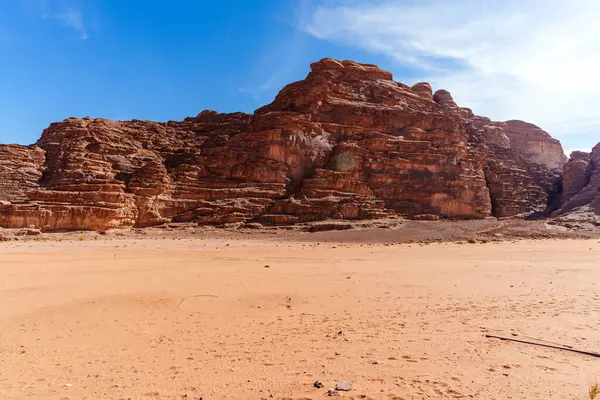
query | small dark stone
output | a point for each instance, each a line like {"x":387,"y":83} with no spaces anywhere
{"x":318,"y":384}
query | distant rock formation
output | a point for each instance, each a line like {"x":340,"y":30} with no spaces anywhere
{"x":535,"y":144}
{"x":347,"y":142}
{"x":580,"y":202}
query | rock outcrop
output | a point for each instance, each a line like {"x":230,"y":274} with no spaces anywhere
{"x":519,"y":184}
{"x":535,"y":145}
{"x":21,"y":168}
{"x":347,"y":142}
{"x":580,"y":202}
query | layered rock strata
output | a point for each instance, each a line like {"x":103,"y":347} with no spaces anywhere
{"x":580,"y":201}
{"x":347,"y":142}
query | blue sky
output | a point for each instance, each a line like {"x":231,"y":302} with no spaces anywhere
{"x":167,"y":60}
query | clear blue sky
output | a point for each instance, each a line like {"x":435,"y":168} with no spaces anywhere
{"x":162,"y":60}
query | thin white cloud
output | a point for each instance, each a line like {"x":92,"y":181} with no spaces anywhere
{"x":278,"y":61}
{"x":67,"y":13}
{"x":536,"y":60}
{"x":72,"y":18}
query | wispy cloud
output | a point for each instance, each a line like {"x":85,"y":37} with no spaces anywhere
{"x":68,"y":13}
{"x":280,"y":59}
{"x":285,"y":57}
{"x":71,"y":18}
{"x":536,"y":60}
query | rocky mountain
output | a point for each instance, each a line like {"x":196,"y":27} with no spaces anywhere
{"x":347,"y":142}
{"x":580,"y":202}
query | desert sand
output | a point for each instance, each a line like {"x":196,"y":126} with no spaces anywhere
{"x":265,"y":317}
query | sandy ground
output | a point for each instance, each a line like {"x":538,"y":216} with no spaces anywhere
{"x":204,"y":317}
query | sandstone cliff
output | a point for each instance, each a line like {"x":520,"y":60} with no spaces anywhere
{"x":535,"y":145}
{"x":580,"y":202}
{"x":347,"y":142}
{"x":20,"y":170}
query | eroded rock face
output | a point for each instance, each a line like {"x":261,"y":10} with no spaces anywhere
{"x":580,"y":201}
{"x":347,"y":142}
{"x":535,"y":145}
{"x":518,"y":183}
{"x":21,"y":168}
{"x":576,"y":175}
{"x":423,"y":89}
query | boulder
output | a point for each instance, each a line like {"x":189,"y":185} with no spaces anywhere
{"x":423,"y":89}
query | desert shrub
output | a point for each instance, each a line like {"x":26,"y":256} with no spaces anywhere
{"x":594,"y":391}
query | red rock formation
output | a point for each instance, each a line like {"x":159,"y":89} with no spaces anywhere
{"x":535,"y":145}
{"x":347,"y":142}
{"x":580,"y":201}
{"x":423,"y":89}
{"x":21,"y":168}
{"x":576,"y":175}
{"x":520,"y":183}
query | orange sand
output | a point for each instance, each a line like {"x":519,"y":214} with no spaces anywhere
{"x":161,"y":319}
